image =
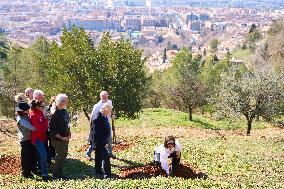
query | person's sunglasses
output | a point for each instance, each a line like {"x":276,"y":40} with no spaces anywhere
{"x":170,"y":143}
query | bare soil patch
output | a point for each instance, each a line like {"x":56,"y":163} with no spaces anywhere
{"x":185,"y":170}
{"x":8,"y":129}
{"x":122,"y":146}
{"x":10,"y":164}
{"x":118,"y":147}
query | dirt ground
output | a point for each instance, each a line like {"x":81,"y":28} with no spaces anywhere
{"x":8,"y":129}
{"x":117,"y":147}
{"x":185,"y":170}
{"x":10,"y":164}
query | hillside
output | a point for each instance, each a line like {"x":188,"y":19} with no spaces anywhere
{"x":214,"y":154}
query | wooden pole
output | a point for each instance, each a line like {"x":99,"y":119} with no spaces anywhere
{"x":113,"y":129}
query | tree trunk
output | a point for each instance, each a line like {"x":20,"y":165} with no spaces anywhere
{"x":86,"y":114}
{"x":257,"y":118}
{"x":249,"y":126}
{"x":203,"y":111}
{"x":190,"y":113}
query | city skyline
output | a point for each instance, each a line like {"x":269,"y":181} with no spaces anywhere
{"x":25,"y":20}
{"x":254,"y":4}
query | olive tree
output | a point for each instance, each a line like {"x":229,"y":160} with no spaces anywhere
{"x":254,"y":93}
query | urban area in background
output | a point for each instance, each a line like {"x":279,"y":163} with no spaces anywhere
{"x":152,"y":25}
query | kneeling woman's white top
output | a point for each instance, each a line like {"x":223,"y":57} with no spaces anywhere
{"x":164,"y":153}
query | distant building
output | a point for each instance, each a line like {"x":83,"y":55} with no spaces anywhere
{"x":90,"y":24}
{"x":162,"y":23}
{"x":149,"y":39}
{"x":194,"y":17}
{"x":148,"y":21}
{"x":195,"y":26}
{"x":2,"y":30}
{"x":243,"y":25}
{"x":204,"y":17}
{"x":133,"y":23}
{"x":110,"y":3}
{"x":117,"y":24}
{"x":148,"y":3}
{"x":18,"y":19}
{"x":109,"y":24}
{"x":191,"y":17}
{"x":135,"y":3}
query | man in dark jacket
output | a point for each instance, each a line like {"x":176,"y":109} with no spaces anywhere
{"x":59,"y":128}
{"x":101,"y":135}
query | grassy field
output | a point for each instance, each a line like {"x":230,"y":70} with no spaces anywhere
{"x":242,"y":54}
{"x":219,"y":149}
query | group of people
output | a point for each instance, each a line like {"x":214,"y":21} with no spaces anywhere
{"x":101,"y":141}
{"x":44,"y":133}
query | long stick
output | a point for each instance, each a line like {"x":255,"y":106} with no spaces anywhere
{"x":113,"y":131}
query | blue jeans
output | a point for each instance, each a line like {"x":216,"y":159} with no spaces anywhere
{"x":90,"y":150}
{"x":109,"y":145}
{"x":43,"y":156}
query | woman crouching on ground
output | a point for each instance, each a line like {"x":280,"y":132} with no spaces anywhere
{"x":170,"y":149}
{"x":59,"y":129}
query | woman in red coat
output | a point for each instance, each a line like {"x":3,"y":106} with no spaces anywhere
{"x":38,"y":138}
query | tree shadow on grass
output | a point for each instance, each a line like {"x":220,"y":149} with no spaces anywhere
{"x":78,"y":170}
{"x":205,"y":125}
{"x":128,"y":162}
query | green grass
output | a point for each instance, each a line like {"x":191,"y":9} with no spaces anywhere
{"x":229,"y":159}
{"x":242,"y":54}
{"x":156,"y":117}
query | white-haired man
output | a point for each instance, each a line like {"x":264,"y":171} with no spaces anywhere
{"x":29,"y":93}
{"x":59,"y":128}
{"x":38,"y":95}
{"x":96,"y":110}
